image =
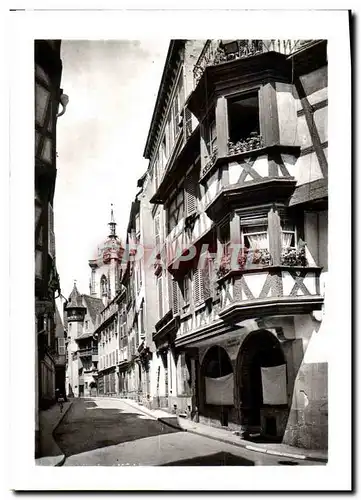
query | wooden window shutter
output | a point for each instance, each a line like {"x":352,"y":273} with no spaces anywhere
{"x":187,"y":122}
{"x":176,"y":297}
{"x":191,"y":193}
{"x":160,"y":296}
{"x":197,"y":286}
{"x":157,"y":233}
{"x":206,"y":280}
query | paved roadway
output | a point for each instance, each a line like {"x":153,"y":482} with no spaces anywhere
{"x":101,"y":431}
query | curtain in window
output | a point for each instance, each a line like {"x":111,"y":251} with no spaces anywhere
{"x":219,"y":391}
{"x":258,"y":240}
{"x":286,"y":239}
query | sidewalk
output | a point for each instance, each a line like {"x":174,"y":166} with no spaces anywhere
{"x":50,"y":453}
{"x":226,"y":436}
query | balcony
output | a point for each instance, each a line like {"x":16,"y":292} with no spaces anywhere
{"x":87,"y":352}
{"x":248,"y":293}
{"x":216,"y":52}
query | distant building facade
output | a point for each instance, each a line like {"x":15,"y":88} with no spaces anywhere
{"x":80,"y":314}
{"x":105,"y":284}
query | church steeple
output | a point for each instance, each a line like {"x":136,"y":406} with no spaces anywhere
{"x":112,"y":224}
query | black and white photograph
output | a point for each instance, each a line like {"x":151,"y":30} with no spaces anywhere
{"x":182,"y":283}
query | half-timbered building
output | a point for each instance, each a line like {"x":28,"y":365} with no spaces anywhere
{"x":238,"y":158}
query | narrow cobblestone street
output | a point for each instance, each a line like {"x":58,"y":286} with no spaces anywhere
{"x":107,"y":432}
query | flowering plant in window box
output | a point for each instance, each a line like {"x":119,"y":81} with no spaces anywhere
{"x":224,"y":266}
{"x":259,"y":256}
{"x":294,"y":257}
{"x":254,"y":141}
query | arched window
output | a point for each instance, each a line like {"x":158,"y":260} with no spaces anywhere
{"x":216,"y":363}
{"x":104,"y":285}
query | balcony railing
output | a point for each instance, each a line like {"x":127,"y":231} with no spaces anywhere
{"x":269,"y":290}
{"x":217,"y":51}
{"x":88,"y":352}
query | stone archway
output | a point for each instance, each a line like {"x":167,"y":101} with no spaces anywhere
{"x":259,"y":349}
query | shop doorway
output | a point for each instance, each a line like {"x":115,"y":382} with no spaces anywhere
{"x":259,"y":350}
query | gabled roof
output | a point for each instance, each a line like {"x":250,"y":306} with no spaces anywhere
{"x":94,"y":306}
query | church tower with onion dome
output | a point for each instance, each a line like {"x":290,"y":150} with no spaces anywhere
{"x":106,"y":267}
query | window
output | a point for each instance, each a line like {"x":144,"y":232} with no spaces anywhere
{"x":104,"y":285}
{"x":255,"y":238}
{"x":191,"y":188}
{"x":176,"y":210}
{"x":225,"y":237}
{"x":243,"y":117}
{"x":185,"y":286}
{"x":288,"y":236}
{"x":211,"y":134}
{"x":61,"y":346}
{"x":141,"y":319}
{"x":160,"y":295}
{"x":212,"y":138}
{"x":178,"y":103}
{"x":163,"y":155}
{"x":156,"y":174}
{"x":157,"y":233}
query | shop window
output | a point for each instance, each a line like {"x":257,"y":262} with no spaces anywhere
{"x":243,"y":117}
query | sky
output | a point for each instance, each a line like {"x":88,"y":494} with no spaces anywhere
{"x":112,"y":88}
